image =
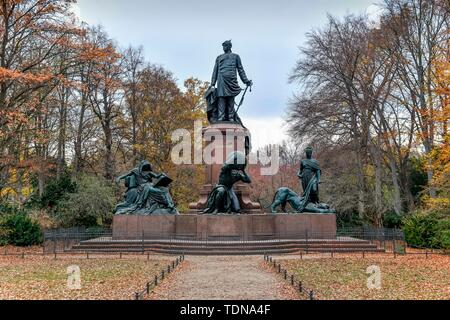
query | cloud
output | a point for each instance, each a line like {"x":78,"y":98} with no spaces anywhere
{"x":264,"y":131}
{"x":374,"y":13}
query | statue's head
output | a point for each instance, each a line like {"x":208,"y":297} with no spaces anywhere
{"x":309,"y":152}
{"x":145,"y":166}
{"x":227,"y":45}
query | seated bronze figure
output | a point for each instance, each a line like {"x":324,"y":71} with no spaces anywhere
{"x":144,"y":196}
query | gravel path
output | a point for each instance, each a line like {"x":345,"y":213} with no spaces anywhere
{"x":224,"y":277}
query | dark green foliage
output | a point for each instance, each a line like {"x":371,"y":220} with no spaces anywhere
{"x":418,"y":176}
{"x":392,"y":220}
{"x":428,"y":230}
{"x":349,"y":220}
{"x":7,"y":208}
{"x":56,"y":189}
{"x":16,"y":228}
{"x":90,"y":205}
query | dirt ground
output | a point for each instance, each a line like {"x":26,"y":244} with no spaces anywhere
{"x":101,"y":278}
{"x":345,"y":276}
{"x":224,"y":277}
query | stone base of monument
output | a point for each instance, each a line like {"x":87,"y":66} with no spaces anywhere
{"x":225,"y":235}
{"x":225,"y":227}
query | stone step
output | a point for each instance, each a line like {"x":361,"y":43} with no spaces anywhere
{"x":236,"y":252}
{"x":224,"y":247}
{"x":224,"y":242}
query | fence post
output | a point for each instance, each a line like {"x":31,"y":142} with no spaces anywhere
{"x":156,"y":280}
{"x":148,"y":287}
{"x":142,"y":241}
{"x":162,"y":275}
{"x":54,"y":243}
{"x":307,"y":241}
{"x":285,"y":274}
{"x":64,"y":243}
{"x":279,"y":268}
{"x":300,"y":287}
{"x":311,"y":295}
{"x":292,"y":279}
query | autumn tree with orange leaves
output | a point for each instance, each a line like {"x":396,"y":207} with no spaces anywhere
{"x":32,"y":35}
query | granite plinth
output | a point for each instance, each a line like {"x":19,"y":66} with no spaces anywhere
{"x":242,"y":227}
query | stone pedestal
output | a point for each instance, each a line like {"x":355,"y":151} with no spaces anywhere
{"x":225,"y":227}
{"x":224,"y":138}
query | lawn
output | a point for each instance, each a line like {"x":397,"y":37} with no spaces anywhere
{"x":345,"y":278}
{"x":43,"y":278}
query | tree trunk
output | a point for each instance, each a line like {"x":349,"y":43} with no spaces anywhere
{"x":78,"y":162}
{"x":376,"y":154}
{"x":62,"y":134}
{"x":396,"y":196}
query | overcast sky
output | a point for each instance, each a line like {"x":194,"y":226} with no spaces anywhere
{"x":185,"y":37}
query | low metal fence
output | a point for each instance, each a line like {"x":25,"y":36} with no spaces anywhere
{"x":150,"y":285}
{"x":66,"y":240}
{"x":299,"y":285}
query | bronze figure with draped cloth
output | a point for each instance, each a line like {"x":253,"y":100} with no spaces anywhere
{"x":309,"y":175}
{"x":223,"y":199}
{"x":309,"y":170}
{"x":144,"y":196}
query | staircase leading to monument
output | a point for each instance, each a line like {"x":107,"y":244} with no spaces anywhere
{"x":215,"y":247}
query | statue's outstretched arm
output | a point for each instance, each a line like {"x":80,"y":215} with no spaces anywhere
{"x":156,"y":175}
{"x":241,"y":72}
{"x":123,"y":176}
{"x":245,"y":177}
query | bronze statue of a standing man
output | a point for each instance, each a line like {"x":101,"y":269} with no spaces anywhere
{"x":227,"y":84}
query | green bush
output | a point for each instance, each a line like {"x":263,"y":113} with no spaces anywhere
{"x":428,"y":230}
{"x":19,"y":230}
{"x":392,"y":220}
{"x":56,"y":190}
{"x":442,"y":238}
{"x":90,"y":205}
{"x":349,"y":220}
